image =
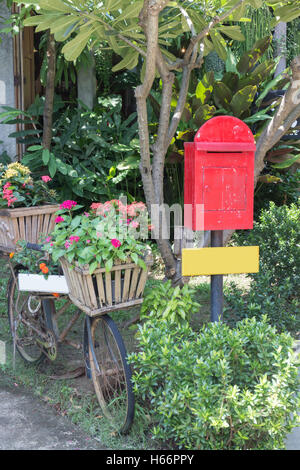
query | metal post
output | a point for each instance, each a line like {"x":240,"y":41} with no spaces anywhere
{"x":216,"y":295}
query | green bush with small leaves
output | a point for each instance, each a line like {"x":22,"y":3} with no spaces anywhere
{"x":275,"y":290}
{"x":222,"y":388}
{"x":169,"y":303}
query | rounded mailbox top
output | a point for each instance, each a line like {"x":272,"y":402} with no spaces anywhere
{"x":227,"y":129}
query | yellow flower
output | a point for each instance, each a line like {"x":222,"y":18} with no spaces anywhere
{"x":16,"y":169}
{"x":11,"y":255}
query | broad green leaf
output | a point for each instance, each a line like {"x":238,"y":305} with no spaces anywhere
{"x":205,"y":87}
{"x":57,"y":5}
{"x":288,"y":162}
{"x":108,"y":265}
{"x":132,"y":11}
{"x":250,"y":58}
{"x":242,"y":100}
{"x":222,"y":95}
{"x":128,"y":62}
{"x":219,"y":44}
{"x":73,"y":49}
{"x":208,"y":46}
{"x":52,"y":165}
{"x":204,"y":113}
{"x":259,"y":74}
{"x":39,"y":19}
{"x":46,"y":156}
{"x":231,"y":80}
{"x":233,"y":32}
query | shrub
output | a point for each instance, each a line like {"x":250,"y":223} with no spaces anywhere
{"x":275,"y":289}
{"x":169,"y":303}
{"x":221,"y":389}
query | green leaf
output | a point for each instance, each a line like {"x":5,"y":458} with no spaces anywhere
{"x":287,"y":163}
{"x":233,"y":32}
{"x":108,"y":265}
{"x":57,"y":5}
{"x":219,"y":44}
{"x":242,"y":100}
{"x":132,"y":11}
{"x":128,"y":62}
{"x":52,"y":165}
{"x":205,"y":87}
{"x":46,"y":156}
{"x":250,"y":58}
{"x":204,"y":113}
{"x":222,"y":95}
{"x":93,"y":266}
{"x":73,"y":49}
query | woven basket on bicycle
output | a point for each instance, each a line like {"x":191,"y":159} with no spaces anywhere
{"x":25,"y":223}
{"x":103,"y":292}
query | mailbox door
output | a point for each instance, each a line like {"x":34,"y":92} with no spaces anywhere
{"x":223,"y":190}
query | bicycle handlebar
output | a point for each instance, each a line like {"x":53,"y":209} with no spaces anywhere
{"x":34,"y":246}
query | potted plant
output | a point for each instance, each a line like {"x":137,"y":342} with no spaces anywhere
{"x":27,"y":207}
{"x":37,"y":272}
{"x":103,"y":254}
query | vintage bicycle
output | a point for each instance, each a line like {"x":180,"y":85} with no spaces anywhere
{"x":33,"y":319}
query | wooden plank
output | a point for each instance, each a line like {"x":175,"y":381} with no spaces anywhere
{"x":24,"y":211}
{"x":22,"y":228}
{"x":90,"y":286}
{"x":101,"y":291}
{"x":142,"y":283}
{"x":46,"y":224}
{"x":221,"y":260}
{"x":135,"y":276}
{"x":34,"y":232}
{"x":28,"y":229}
{"x":127,"y":277}
{"x":108,"y":288}
{"x":118,"y":289}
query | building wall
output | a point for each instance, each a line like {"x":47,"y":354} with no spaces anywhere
{"x":7,"y":92}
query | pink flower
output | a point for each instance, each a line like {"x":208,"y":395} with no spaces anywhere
{"x":74,"y":238}
{"x":51,"y":244}
{"x":134,"y":224}
{"x":116,"y":243}
{"x":88,"y":241}
{"x":86,"y":214}
{"x":59,"y":219}
{"x":67,"y":244}
{"x":7,"y":185}
{"x":46,"y":178}
{"x":48,"y":239}
{"x":68,"y":204}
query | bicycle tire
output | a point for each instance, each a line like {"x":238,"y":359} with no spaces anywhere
{"x":18,"y":306}
{"x":111,"y":373}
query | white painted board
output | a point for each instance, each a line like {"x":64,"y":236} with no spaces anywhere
{"x":37,"y":283}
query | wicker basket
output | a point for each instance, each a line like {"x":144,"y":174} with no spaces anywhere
{"x":25,"y":223}
{"x":104,"y":292}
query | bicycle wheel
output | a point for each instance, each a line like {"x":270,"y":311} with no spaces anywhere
{"x":27,"y":322}
{"x":111,"y":373}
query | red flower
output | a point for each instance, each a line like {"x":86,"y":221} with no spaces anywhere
{"x":116,"y":243}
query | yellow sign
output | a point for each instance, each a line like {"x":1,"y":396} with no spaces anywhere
{"x":221,"y":260}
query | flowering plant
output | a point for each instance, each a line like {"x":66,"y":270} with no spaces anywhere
{"x":18,"y":189}
{"x":106,"y":233}
{"x":34,"y":262}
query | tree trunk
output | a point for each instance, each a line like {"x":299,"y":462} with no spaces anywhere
{"x":280,"y":50}
{"x":49,"y":96}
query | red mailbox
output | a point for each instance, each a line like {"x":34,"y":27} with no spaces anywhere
{"x":219,"y":176}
